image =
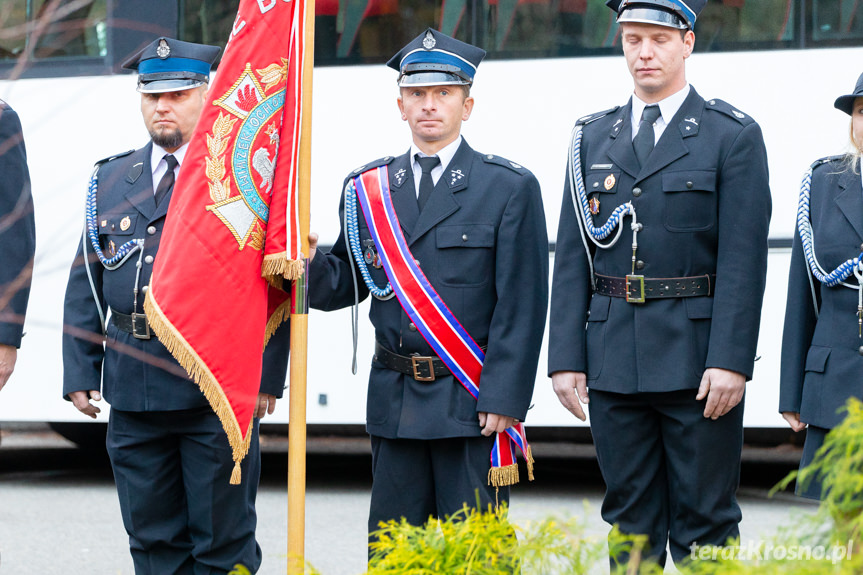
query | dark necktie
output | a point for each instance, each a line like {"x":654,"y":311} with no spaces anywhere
{"x":646,"y":137}
{"x":426,"y":181}
{"x":167,"y":181}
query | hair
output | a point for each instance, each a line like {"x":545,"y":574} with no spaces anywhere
{"x":851,"y":162}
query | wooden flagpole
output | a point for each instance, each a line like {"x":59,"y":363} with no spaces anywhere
{"x":300,"y":325}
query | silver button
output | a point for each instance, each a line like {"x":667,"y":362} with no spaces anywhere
{"x":417,"y":262}
{"x":595,"y":184}
{"x":689,"y":185}
{"x":148,"y":260}
{"x":636,"y":192}
{"x":639,"y":265}
{"x":151,"y":230}
{"x":861,"y":247}
{"x":490,"y":156}
{"x":861,"y":350}
{"x":464,"y":237}
{"x":412,"y":327}
{"x":145,"y":289}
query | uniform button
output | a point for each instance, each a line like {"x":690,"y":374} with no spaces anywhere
{"x":151,"y":230}
{"x":490,"y":156}
{"x":861,"y":350}
{"x":145,"y":289}
{"x":595,"y":184}
{"x":689,"y":185}
{"x":113,"y":227}
{"x":148,"y":260}
{"x":636,"y":192}
{"x":412,"y":327}
{"x":417,"y":262}
{"x":464,"y":237}
{"x":861,"y":247}
{"x":639,"y":265}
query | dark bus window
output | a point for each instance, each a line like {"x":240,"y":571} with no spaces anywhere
{"x":837,"y":21}
{"x":52,"y":29}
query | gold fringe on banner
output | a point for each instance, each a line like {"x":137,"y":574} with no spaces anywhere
{"x":503,"y":476}
{"x":201,"y":374}
{"x":528,"y":458}
{"x":280,"y":316}
{"x":277,"y":266}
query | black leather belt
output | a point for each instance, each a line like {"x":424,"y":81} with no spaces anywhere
{"x":421,"y":367}
{"x":637,"y":289}
{"x":136,"y":324}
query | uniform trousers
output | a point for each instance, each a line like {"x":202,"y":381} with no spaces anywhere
{"x":670,"y":473}
{"x":172,"y":470}
{"x":815,"y":437}
{"x":421,"y":478}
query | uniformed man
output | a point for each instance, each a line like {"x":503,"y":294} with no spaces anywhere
{"x":17,"y":236}
{"x":171,"y":458}
{"x":662,"y":325}
{"x":468,"y":228}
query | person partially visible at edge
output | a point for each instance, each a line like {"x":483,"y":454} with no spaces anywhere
{"x":822,"y":342}
{"x":171,"y":459}
{"x":659,"y":331}
{"x":474,"y":226}
{"x":17,"y":236}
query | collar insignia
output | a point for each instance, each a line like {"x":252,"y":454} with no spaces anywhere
{"x":456,"y":175}
{"x":399,"y":177}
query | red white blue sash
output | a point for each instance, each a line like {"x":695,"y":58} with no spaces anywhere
{"x":437,"y":324}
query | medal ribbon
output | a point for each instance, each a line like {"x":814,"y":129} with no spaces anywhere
{"x":434,"y":320}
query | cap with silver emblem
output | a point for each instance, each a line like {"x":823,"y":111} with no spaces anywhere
{"x":435,"y":59}
{"x":168,"y":65}
{"x":680,"y":14}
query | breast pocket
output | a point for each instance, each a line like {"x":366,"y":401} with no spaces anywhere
{"x":115,"y":230}
{"x":598,"y":183}
{"x":465,"y":254}
{"x":690,"y":200}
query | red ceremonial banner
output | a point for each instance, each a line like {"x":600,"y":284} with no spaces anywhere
{"x":232,"y":232}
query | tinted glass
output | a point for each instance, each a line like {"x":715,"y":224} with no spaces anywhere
{"x":52,"y":29}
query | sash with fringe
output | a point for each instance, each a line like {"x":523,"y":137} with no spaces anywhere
{"x":434,"y":320}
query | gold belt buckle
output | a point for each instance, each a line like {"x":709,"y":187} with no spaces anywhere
{"x":637,"y":282}
{"x":416,"y":362}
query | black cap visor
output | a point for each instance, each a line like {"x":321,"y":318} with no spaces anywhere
{"x":652,"y":16}
{"x":846,"y":103}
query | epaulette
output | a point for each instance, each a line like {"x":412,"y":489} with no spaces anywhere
{"x":114,"y":157}
{"x":729,"y":110}
{"x":492,"y":159}
{"x":584,"y":120}
{"x":372,"y":165}
{"x":827,"y":160}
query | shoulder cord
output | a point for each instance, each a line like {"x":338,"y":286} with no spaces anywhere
{"x":91,"y":236}
{"x":844,"y":271}
{"x":352,"y":238}
{"x":582,"y":208}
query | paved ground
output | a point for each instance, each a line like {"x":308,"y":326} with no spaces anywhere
{"x":59,"y":511}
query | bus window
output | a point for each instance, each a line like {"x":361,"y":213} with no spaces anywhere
{"x":837,"y":20}
{"x":52,"y":29}
{"x":746,"y":24}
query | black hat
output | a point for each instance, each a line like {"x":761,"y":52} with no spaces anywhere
{"x":168,"y":65}
{"x":846,"y":103}
{"x":680,"y":14}
{"x":435,"y":59}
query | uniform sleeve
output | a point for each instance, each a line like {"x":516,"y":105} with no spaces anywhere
{"x":799,"y":327}
{"x":83,"y":340}
{"x":331,"y":284}
{"x":17,"y":229}
{"x":570,"y":293}
{"x":518,"y":320}
{"x":275,"y":365}
{"x":741,"y":265}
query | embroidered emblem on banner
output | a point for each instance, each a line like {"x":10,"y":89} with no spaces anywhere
{"x":246,"y":138}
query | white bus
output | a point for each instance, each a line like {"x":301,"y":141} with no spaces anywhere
{"x":549,"y":62}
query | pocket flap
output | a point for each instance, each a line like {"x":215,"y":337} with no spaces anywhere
{"x":117,"y":224}
{"x":699,"y":307}
{"x":816,"y":359}
{"x":603,"y":181}
{"x":599,"y":305}
{"x":690,"y":181}
{"x":465,"y":236}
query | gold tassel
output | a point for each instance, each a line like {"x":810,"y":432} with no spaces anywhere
{"x":503,"y":476}
{"x":278,"y":266}
{"x":201,"y":375}
{"x":280,"y":316}
{"x":528,"y":459}
{"x":236,"y":474}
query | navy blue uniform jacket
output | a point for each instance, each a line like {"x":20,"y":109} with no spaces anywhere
{"x":138,"y":375}
{"x":481,"y":240}
{"x":821,"y":359}
{"x":17,"y":228}
{"x":704,"y":201}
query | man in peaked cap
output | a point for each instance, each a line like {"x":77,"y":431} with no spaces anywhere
{"x":662,"y":326}
{"x":171,"y":459}
{"x":474,"y":226}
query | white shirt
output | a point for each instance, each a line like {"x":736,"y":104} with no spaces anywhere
{"x":445,"y":155}
{"x":160,"y":166}
{"x":667,"y":108}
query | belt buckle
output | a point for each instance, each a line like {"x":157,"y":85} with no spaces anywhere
{"x":416,"y":362}
{"x":636,"y":282}
{"x":145,"y":332}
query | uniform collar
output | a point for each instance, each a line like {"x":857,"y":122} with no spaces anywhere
{"x":158,"y":153}
{"x":445,"y":155}
{"x":667,"y":107}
